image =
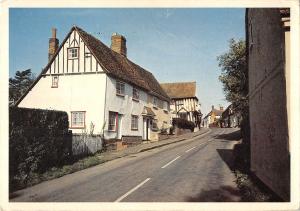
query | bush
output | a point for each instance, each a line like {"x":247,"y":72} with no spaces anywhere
{"x":38,"y":140}
{"x":183,"y":123}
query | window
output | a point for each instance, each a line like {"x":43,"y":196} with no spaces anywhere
{"x":154,"y":101}
{"x":165,"y":105}
{"x":135,"y":94}
{"x":112,"y":121}
{"x":54,"y":81}
{"x":134,"y":122}
{"x":120,"y":86}
{"x":154,"y":125}
{"x":78,"y":119}
{"x":72,"y":53}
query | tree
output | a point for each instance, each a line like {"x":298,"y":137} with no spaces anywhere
{"x":19,"y":84}
{"x":234,"y":74}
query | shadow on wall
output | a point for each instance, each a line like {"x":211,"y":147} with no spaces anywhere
{"x":222,"y":194}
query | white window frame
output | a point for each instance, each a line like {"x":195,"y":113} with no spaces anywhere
{"x":120,"y":88}
{"x":112,"y":121}
{"x":78,"y":119}
{"x":54,"y":81}
{"x":134,"y":122}
{"x":73,"y":53}
{"x":135,"y":94}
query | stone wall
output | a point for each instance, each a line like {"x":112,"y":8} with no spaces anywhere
{"x":270,"y":156}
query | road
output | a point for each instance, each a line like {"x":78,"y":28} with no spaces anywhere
{"x":189,"y":171}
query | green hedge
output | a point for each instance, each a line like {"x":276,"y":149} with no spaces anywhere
{"x":38,"y":140}
{"x":183,"y":123}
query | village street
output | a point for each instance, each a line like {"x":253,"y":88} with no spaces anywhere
{"x":192,"y":170}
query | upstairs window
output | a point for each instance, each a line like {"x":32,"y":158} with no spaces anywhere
{"x":134,"y":122}
{"x":78,"y":119}
{"x":54,"y":81}
{"x":120,"y":87}
{"x":135,"y":94}
{"x":72,"y":53}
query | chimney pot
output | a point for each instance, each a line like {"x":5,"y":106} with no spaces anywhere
{"x":212,"y":107}
{"x":53,"y":32}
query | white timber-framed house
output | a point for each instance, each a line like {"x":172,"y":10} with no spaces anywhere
{"x":102,"y":91}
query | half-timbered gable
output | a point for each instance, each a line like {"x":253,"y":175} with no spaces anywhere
{"x":74,"y":56}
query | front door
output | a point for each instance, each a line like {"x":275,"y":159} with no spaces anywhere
{"x":145,"y":128}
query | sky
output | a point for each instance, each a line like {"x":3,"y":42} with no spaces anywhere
{"x":175,"y":44}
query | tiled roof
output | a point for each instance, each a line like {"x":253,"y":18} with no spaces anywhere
{"x":120,"y":66}
{"x":180,"y":90}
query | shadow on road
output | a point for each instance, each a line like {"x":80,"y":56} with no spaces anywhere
{"x":233,"y":136}
{"x":222,"y":194}
{"x":228,"y":157}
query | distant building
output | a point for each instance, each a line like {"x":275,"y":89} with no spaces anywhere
{"x":230,"y":117}
{"x":212,"y":118}
{"x":184,"y":102}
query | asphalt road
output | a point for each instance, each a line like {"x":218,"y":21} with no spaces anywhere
{"x":195,"y":170}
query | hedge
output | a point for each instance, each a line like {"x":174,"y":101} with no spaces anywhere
{"x":183,"y":123}
{"x":38,"y":139}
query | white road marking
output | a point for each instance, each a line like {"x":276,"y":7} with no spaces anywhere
{"x":190,"y":149}
{"x":132,"y":190}
{"x":170,"y":162}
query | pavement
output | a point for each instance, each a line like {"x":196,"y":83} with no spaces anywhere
{"x":197,"y":169}
{"x":111,"y":155}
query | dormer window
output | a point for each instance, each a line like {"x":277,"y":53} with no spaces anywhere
{"x":120,"y":88}
{"x":135,"y":94}
{"x":54,"y":81}
{"x":73,"y":53}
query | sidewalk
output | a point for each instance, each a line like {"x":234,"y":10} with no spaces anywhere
{"x":111,"y":155}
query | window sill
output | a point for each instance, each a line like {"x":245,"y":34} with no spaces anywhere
{"x":112,"y":131}
{"x":136,"y":100}
{"x":54,"y":86}
{"x":120,"y":95}
{"x":134,"y":129}
{"x":79,"y":127}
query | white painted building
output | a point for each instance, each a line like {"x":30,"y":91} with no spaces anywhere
{"x":99,"y":88}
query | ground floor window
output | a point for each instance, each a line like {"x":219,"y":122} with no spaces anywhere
{"x":78,"y":119}
{"x":112,"y":121}
{"x":154,"y":126}
{"x":134,"y":122}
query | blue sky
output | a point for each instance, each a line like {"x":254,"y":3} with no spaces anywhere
{"x":174,"y":44}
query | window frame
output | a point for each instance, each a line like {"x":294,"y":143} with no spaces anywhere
{"x":137,"y":92}
{"x":134,"y":118}
{"x":115,"y":121}
{"x":54,"y":85}
{"x":78,"y":126}
{"x":68,"y":53}
{"x":122,"y":84}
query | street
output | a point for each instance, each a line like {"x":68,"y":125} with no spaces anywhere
{"x":194,"y":170}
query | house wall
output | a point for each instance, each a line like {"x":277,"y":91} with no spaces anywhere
{"x":74,"y":93}
{"x":81,"y":86}
{"x":125,"y":106}
{"x":270,"y":156}
{"x":183,"y":105}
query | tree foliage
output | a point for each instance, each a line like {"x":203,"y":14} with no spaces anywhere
{"x":19,"y":84}
{"x":234,"y":74}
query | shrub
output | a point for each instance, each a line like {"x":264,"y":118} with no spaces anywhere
{"x":38,"y":140}
{"x":183,"y":123}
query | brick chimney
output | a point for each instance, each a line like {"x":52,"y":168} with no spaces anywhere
{"x":212,"y":107}
{"x":53,"y":44}
{"x":118,"y":44}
